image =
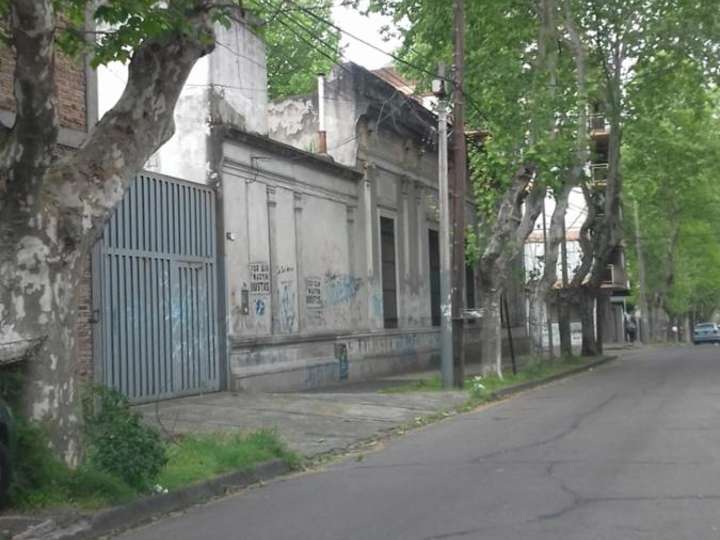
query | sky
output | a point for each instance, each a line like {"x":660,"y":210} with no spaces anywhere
{"x":367,"y":28}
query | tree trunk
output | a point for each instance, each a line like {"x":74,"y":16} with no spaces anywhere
{"x":587,"y":318}
{"x":536,"y":321}
{"x":602,"y":305}
{"x":564,"y":326}
{"x":491,"y":330}
{"x":51,"y":209}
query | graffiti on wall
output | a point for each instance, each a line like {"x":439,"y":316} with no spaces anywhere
{"x":340,"y":288}
{"x":287,"y":306}
{"x":284,"y":269}
{"x":259,"y":307}
{"x":319,"y":375}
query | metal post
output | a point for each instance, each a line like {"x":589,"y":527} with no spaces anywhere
{"x":446,"y":343}
{"x":460,"y":165}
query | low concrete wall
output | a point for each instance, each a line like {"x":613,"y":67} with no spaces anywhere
{"x":297,"y":363}
{"x":306,"y":362}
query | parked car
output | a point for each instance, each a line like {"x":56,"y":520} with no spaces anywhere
{"x":7,"y":434}
{"x":706,"y":332}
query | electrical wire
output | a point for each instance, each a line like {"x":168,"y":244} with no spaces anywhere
{"x":310,"y":32}
{"x":399,"y":59}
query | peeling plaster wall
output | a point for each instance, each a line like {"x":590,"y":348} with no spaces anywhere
{"x":295,"y":120}
{"x":336,"y":243}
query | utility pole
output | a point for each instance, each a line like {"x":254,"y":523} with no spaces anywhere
{"x":446,"y":343}
{"x":548,"y":320}
{"x":460,"y":162}
{"x":645,"y":327}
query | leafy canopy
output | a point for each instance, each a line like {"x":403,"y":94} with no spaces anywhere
{"x":300,"y":43}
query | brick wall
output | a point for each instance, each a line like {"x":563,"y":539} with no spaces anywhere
{"x":71,"y":83}
{"x":84,"y":366}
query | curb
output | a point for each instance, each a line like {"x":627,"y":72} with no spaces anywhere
{"x":510,"y":390}
{"x":146,"y":509}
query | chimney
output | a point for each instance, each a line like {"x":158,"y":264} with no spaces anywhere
{"x":322,"y":134}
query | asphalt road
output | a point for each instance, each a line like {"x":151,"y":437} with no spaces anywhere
{"x":628,"y":451}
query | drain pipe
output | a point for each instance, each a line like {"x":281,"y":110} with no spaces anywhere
{"x":322,"y":134}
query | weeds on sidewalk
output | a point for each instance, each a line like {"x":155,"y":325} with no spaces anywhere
{"x":482,"y":387}
{"x":42,"y":480}
{"x":200,"y":457}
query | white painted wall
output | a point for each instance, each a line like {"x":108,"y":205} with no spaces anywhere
{"x":574,"y":218}
{"x":233,"y":78}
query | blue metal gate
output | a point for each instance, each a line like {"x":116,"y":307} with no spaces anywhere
{"x":155,"y":292}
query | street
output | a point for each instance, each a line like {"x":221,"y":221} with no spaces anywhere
{"x":627,"y":451}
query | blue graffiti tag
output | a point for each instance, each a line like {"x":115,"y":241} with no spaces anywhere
{"x":260,"y":307}
{"x":340,"y":289}
{"x":287,"y":307}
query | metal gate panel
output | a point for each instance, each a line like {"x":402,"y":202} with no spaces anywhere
{"x":155,"y":292}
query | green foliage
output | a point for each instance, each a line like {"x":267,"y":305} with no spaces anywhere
{"x":40,"y":479}
{"x":122,"y":25}
{"x":672,"y":161}
{"x":118,"y":442}
{"x":198,"y":457}
{"x":299,"y":44}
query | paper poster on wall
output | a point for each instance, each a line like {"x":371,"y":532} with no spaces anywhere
{"x":259,"y":278}
{"x":313,"y":293}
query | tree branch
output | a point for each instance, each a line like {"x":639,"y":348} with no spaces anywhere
{"x":94,"y":179}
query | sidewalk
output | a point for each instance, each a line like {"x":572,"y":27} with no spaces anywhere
{"x":312,"y":422}
{"x":315,"y":421}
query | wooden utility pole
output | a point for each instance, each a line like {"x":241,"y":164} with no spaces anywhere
{"x":460,"y":163}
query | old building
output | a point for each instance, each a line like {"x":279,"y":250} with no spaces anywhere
{"x":245,"y":258}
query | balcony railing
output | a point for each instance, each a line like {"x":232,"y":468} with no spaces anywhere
{"x":614,"y":275}
{"x":599,"y":173}
{"x":598,"y":122}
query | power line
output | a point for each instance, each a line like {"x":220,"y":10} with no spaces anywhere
{"x":302,"y":26}
{"x":361,"y":40}
{"x":421,"y":69}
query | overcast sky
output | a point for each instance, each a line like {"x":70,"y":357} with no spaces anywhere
{"x":367,"y":28}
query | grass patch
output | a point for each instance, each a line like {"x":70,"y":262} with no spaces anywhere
{"x":433,"y":383}
{"x":42,"y":481}
{"x":531,"y":369}
{"x":482,"y":389}
{"x":200,"y":457}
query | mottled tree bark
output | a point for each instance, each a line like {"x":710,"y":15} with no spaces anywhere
{"x":506,"y":240}
{"x":51,"y":209}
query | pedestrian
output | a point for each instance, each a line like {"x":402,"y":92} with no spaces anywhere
{"x":630,"y":328}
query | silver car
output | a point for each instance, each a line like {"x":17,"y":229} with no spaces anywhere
{"x":706,"y":332}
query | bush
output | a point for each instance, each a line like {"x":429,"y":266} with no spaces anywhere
{"x":41,"y":479}
{"x":118,"y":442}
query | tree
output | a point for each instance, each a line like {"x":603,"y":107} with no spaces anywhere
{"x":518,"y":89}
{"x":624,"y":38}
{"x":672,"y":150}
{"x":53,"y":202}
{"x":299,"y":45}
